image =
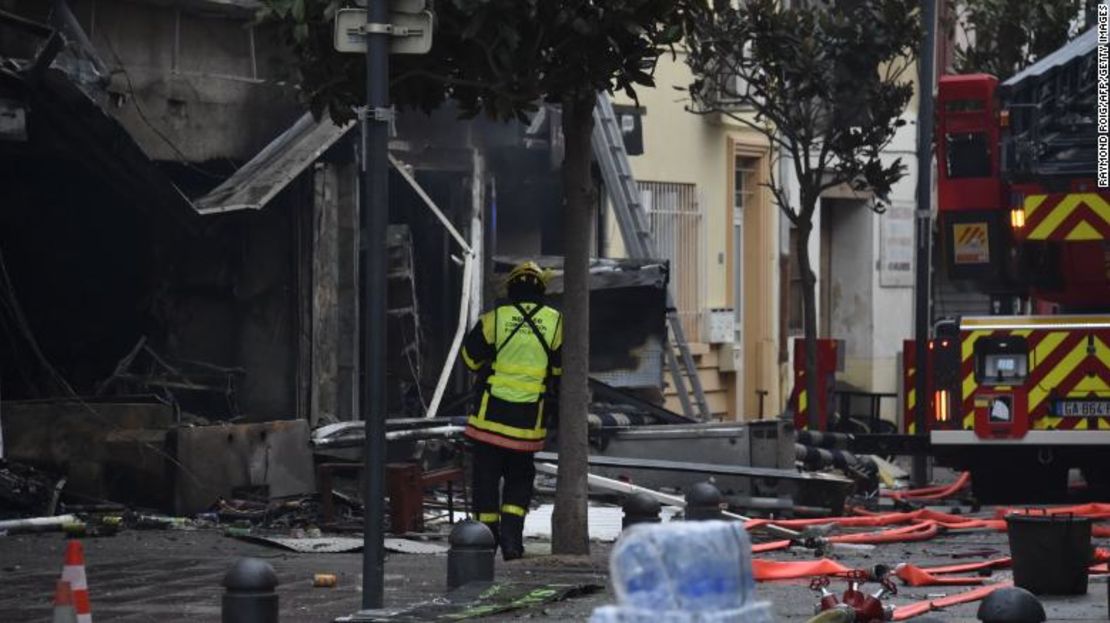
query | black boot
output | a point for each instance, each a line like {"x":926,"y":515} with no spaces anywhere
{"x":512,"y":537}
{"x":494,"y":527}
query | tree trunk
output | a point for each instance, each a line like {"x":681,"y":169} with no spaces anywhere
{"x":809,"y":311}
{"x":569,"y":529}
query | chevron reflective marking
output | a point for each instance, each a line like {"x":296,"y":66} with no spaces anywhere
{"x":1083,"y":231}
{"x":1031,"y":204}
{"x":969,"y":386}
{"x":1074,"y":216}
{"x":1060,"y":370}
{"x":1051,"y":218}
{"x":1044,"y":347}
{"x":1047,"y":422}
{"x":967,"y":346}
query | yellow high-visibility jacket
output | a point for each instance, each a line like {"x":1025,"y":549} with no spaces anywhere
{"x":516,"y":367}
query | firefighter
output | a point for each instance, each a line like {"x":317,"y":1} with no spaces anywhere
{"x":515,"y":351}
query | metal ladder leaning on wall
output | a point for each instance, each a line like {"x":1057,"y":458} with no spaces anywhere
{"x":612,"y":159}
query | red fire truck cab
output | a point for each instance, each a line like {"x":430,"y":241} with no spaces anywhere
{"x":1021,"y":397}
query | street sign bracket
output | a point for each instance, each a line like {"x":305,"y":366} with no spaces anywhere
{"x":410,"y":33}
{"x":373,"y":29}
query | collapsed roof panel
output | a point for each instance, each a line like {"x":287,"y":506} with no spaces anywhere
{"x":628,"y":305}
{"x":278,"y":164}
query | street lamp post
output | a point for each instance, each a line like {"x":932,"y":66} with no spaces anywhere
{"x":923,"y":227}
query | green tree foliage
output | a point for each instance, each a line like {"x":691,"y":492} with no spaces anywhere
{"x":1005,"y":36}
{"x":499,"y":58}
{"x":826,"y":85}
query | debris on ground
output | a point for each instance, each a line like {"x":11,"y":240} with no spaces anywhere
{"x":335,"y":544}
{"x":25,"y":490}
{"x":479,"y":599}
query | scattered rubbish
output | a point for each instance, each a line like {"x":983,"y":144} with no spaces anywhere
{"x":28,"y":490}
{"x":616,"y":486}
{"x":683,"y":571}
{"x":606,"y":522}
{"x":333,"y":544}
{"x":480,"y":599}
{"x":306,"y":545}
{"x":889,"y":473}
{"x":324,"y":580}
{"x":968,"y":553}
{"x":353,"y":434}
{"x":36,"y":524}
{"x":408,"y":546}
{"x":158,"y":522}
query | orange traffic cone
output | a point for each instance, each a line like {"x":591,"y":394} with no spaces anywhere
{"x":74,"y":573}
{"x":63,"y":604}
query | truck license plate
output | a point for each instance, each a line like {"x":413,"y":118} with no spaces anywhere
{"x":1085,"y":408}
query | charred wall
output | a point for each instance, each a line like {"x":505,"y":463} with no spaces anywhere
{"x":93,"y":272}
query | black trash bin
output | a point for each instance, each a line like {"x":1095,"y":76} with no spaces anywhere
{"x":1051,"y":552}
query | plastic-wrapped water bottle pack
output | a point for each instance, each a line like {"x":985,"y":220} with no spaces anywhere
{"x":683,"y":572}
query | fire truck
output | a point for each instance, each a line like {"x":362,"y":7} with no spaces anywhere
{"x":1021,"y":396}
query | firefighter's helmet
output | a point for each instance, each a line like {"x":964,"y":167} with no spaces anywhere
{"x":529,"y":273}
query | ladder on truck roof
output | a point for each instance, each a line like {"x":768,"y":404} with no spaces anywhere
{"x":612,"y":159}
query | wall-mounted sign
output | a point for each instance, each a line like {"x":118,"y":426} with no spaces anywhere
{"x":896,"y":246}
{"x":971,"y":243}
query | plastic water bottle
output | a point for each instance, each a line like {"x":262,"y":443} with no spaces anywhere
{"x":759,"y":612}
{"x":638,"y":574}
{"x":688,"y":566}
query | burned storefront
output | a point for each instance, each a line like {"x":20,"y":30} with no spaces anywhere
{"x":179,"y":246}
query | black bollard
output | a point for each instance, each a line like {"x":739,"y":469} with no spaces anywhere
{"x":1011,"y":605}
{"x":249,"y":596}
{"x":703,"y":501}
{"x":640,"y":508}
{"x":470,"y":558}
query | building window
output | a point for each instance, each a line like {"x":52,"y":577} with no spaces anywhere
{"x":676,"y":226}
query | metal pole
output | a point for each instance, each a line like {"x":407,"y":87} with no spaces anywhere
{"x":923,"y":229}
{"x":375,"y":218}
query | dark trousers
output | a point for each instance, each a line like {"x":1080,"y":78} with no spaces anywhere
{"x":502,"y":506}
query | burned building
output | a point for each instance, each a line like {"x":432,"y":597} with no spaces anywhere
{"x":179,"y":240}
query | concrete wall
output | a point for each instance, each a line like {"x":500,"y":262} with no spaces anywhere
{"x":192,"y":86}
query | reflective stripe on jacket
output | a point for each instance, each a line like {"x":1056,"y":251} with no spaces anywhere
{"x":514,"y":364}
